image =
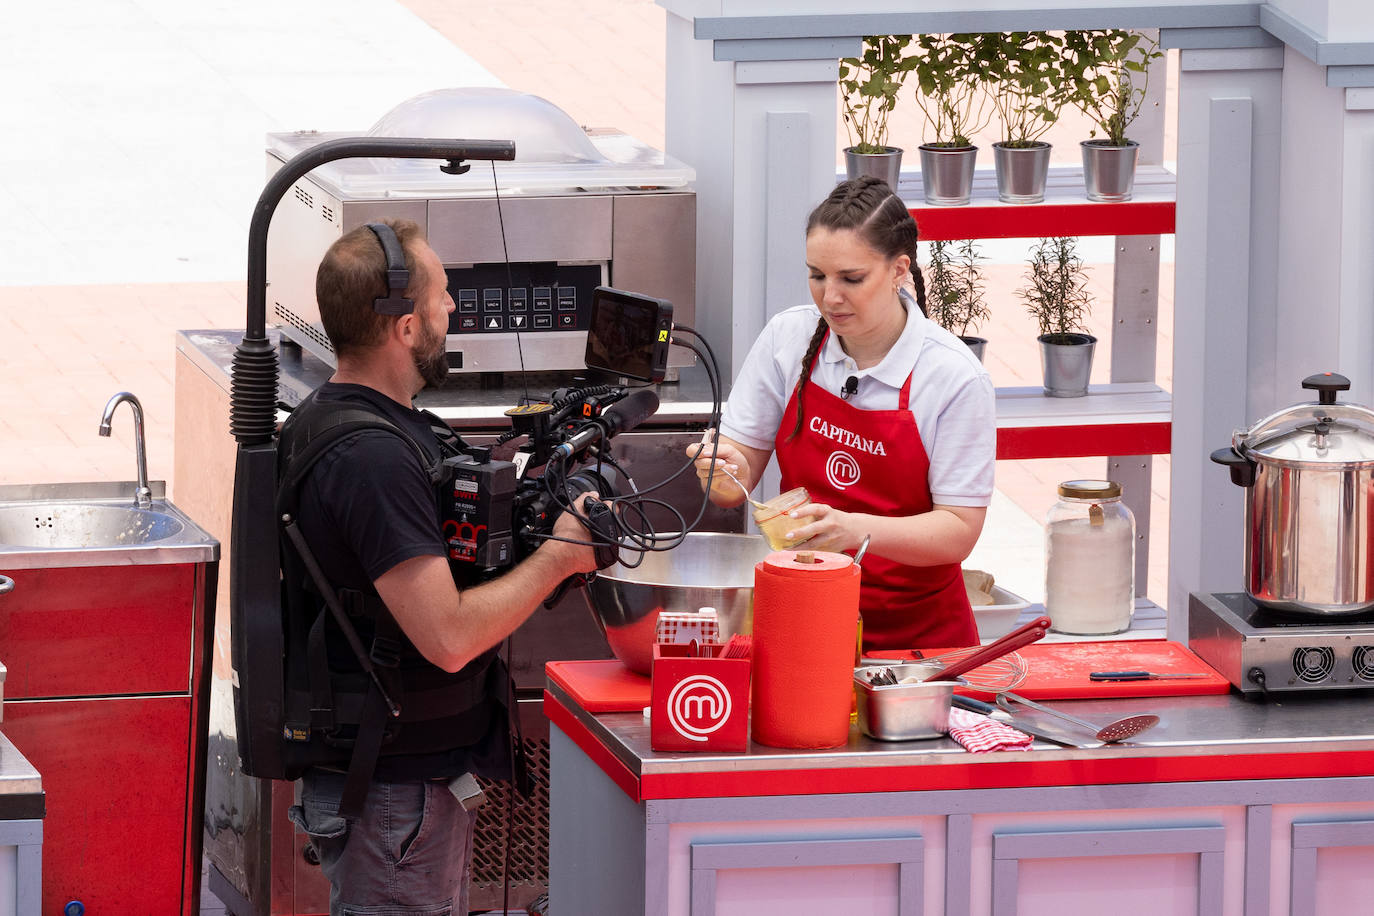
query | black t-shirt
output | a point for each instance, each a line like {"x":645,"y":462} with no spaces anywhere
{"x":366,"y":506}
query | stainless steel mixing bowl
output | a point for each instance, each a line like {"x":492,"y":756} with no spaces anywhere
{"x":707,"y":570}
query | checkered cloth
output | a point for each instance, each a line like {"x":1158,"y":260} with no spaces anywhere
{"x":978,"y":733}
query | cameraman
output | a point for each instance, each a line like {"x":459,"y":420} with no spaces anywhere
{"x":367,"y":509}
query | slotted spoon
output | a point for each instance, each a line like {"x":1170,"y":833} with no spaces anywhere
{"x":1120,"y":730}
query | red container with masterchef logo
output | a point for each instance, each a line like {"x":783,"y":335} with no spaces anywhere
{"x":698,"y":703}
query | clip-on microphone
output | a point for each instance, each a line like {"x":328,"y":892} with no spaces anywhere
{"x":851,"y":386}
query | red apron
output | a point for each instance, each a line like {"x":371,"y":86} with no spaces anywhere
{"x":873,"y":461}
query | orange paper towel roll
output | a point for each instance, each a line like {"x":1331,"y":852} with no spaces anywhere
{"x":805,"y":614}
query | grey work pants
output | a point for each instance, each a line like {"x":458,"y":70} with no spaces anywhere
{"x":409,"y":854}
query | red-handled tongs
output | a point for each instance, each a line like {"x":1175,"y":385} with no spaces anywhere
{"x":1021,"y":636}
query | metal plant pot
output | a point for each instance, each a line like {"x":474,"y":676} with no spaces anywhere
{"x":977,"y":344}
{"x":947,"y":174}
{"x":886,"y":165}
{"x":1021,"y":172}
{"x":1066,"y":360}
{"x":1109,"y":171}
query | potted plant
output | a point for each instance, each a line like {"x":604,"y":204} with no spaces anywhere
{"x":954,"y":291}
{"x":950,"y":74}
{"x":1028,"y":90}
{"x":1056,"y":293}
{"x":1107,"y":72}
{"x":869,"y":86}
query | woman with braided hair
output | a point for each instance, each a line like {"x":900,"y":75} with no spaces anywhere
{"x":886,"y":418}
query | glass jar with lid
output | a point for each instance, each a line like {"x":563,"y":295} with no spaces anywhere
{"x":1089,"y":559}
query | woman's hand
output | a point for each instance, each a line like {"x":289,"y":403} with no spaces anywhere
{"x":826,"y":528}
{"x":945,"y":534}
{"x":733,"y":457}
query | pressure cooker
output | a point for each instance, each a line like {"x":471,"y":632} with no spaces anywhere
{"x":1308,"y":473}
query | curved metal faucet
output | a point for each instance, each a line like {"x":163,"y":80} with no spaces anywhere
{"x":143,"y":497}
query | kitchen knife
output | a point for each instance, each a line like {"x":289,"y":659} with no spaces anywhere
{"x":1035,"y":730}
{"x":1134,"y":676}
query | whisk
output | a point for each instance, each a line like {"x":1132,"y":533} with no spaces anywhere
{"x":1004,"y":673}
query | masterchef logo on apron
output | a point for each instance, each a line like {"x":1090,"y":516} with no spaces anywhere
{"x":841,"y":469}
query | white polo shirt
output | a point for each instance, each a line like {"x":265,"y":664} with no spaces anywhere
{"x":952,"y":397}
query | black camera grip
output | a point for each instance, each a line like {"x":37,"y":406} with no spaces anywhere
{"x":601,"y":519}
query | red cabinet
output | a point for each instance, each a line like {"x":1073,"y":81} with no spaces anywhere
{"x":101,"y":698}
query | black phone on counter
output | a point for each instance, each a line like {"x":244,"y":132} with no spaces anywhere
{"x":629,"y":334}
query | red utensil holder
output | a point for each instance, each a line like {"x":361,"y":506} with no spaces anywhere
{"x":698,"y":703}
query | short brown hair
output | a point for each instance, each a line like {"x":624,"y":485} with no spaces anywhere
{"x":353,"y":274}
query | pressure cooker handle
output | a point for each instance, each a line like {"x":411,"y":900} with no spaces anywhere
{"x":1242,"y":468}
{"x":1326,"y":384}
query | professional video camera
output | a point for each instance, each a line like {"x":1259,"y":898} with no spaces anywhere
{"x":497,"y":511}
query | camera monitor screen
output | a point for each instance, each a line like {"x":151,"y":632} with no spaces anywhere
{"x":629,"y":334}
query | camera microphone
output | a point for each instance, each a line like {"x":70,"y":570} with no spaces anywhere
{"x":851,"y":386}
{"x":625,"y":414}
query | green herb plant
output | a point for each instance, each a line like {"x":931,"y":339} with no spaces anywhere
{"x":869,"y":87}
{"x":1057,"y":289}
{"x":951,"y":71}
{"x":1027,"y":86}
{"x":1106,"y":73}
{"x":954,"y":286}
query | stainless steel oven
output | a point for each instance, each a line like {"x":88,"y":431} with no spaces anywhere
{"x":524,"y":243}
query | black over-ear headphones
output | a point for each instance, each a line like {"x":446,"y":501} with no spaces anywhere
{"x":397,"y":277}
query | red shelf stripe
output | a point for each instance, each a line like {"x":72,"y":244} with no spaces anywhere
{"x":1083,"y":441}
{"x":1037,"y":220}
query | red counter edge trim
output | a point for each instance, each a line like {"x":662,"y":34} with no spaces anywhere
{"x":1012,"y":774}
{"x":1009,"y":775}
{"x":611,"y":765}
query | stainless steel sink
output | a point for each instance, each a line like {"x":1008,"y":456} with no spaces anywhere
{"x":83,"y":525}
{"x":95,"y":524}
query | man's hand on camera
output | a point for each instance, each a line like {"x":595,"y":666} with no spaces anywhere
{"x":580,"y":556}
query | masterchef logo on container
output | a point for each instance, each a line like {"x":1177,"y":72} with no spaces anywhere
{"x":841,"y":469}
{"x":698,"y":706}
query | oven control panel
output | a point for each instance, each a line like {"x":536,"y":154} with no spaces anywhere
{"x":520,"y":298}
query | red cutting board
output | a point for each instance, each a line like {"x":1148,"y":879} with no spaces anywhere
{"x":601,"y":685}
{"x":1059,"y":670}
{"x":1054,"y":671}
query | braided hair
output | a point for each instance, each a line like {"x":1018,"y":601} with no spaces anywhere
{"x":869,"y":207}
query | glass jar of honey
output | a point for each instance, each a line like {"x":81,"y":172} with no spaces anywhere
{"x":774,"y":522}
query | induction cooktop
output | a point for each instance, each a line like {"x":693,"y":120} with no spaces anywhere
{"x":1260,"y":650}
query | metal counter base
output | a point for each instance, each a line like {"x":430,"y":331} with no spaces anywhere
{"x":1222,"y":808}
{"x":22,"y":809}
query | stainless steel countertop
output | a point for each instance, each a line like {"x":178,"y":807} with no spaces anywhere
{"x":1191,"y":726}
{"x":466,"y":402}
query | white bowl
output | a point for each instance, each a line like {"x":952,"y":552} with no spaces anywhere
{"x":999,"y":619}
